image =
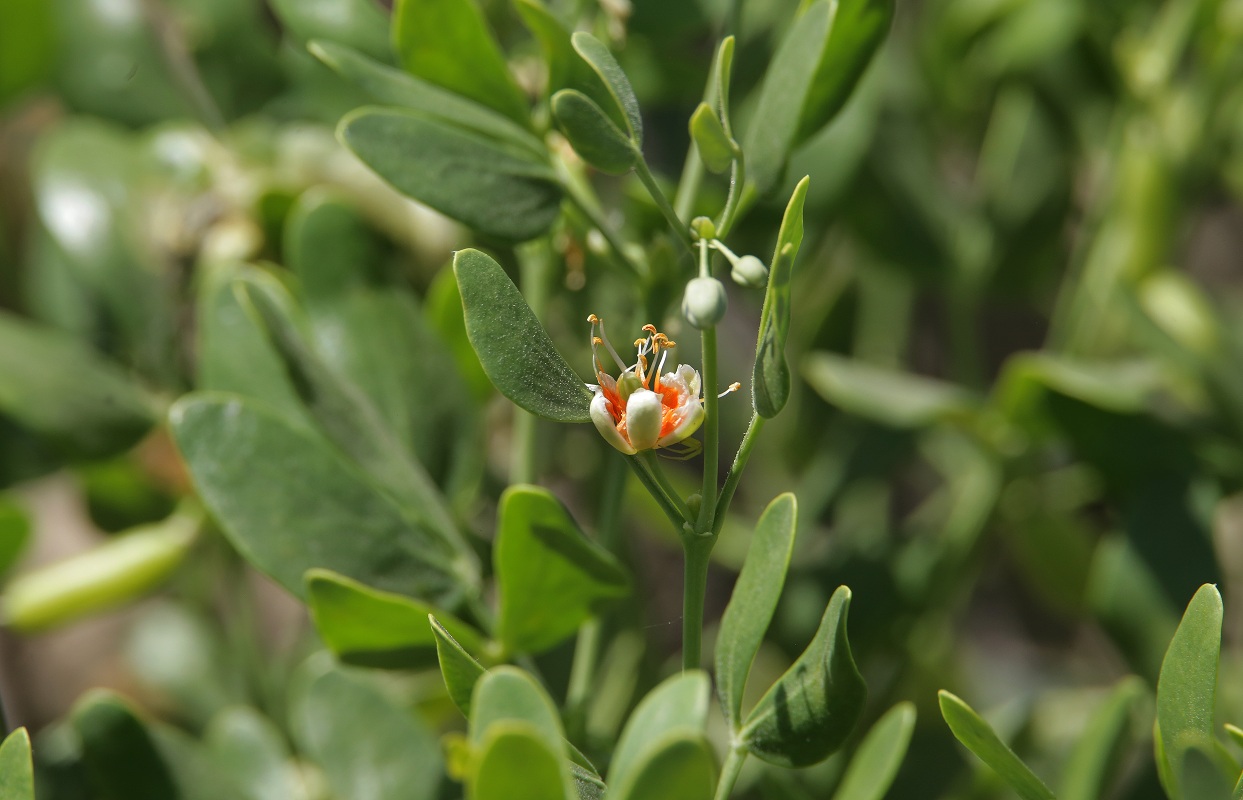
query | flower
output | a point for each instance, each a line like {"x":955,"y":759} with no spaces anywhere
{"x":642,"y":409}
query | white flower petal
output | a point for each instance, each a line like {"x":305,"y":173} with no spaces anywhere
{"x":603,"y":419}
{"x":643,"y":418}
{"x":690,"y":422}
{"x":691,"y":377}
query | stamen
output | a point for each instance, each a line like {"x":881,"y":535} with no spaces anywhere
{"x":604,"y":339}
{"x":733,"y":387}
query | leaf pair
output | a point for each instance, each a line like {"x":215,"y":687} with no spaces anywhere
{"x":606,"y":131}
{"x":808,"y":713}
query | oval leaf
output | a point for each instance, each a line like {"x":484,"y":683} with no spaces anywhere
{"x":371,"y":628}
{"x":516,"y":763}
{"x":594,"y":136}
{"x":249,"y":747}
{"x":680,"y":766}
{"x":678,"y":706}
{"x":459,"y":668}
{"x":751,"y":607}
{"x":770,"y":380}
{"x":17,"y":779}
{"x":875,"y":764}
{"x":551,"y":577}
{"x":715,"y":147}
{"x":448,"y":43}
{"x":979,"y":737}
{"x":813,"y":707}
{"x":506,"y":696}
{"x":496,"y":189}
{"x":283,"y":496}
{"x":517,"y":355}
{"x":601,"y":61}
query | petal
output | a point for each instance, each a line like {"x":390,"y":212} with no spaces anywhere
{"x":603,"y":418}
{"x":691,"y":377}
{"x":694,"y":417}
{"x":644,"y":413}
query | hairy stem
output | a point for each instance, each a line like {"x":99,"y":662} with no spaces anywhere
{"x":729,"y":772}
{"x":735,"y":472}
{"x":649,"y":181}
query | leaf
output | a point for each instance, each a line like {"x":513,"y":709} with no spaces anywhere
{"x":516,"y":763}
{"x":17,"y":780}
{"x":53,"y":385}
{"x":250,"y":748}
{"x":392,"y":87}
{"x":856,"y":33}
{"x":15,"y":534}
{"x":121,"y":569}
{"x":715,"y":147}
{"x":448,"y":43}
{"x":980,"y":739}
{"x":506,"y":695}
{"x":1098,"y":755}
{"x":368,"y":748}
{"x":875,"y":764}
{"x":372,"y":628}
{"x":770,"y":381}
{"x":594,"y":136}
{"x":678,"y":766}
{"x":494,"y":188}
{"x":626,"y":106}
{"x":773,"y":131}
{"x":513,"y":348}
{"x":283,"y":496}
{"x":677,"y":706}
{"x":551,"y":577}
{"x":554,"y":39}
{"x":891,"y":398}
{"x":357,"y":23}
{"x":808,"y":713}
{"x":751,"y":606}
{"x":27,"y":50}
{"x":459,"y":668}
{"x":1187,"y":691}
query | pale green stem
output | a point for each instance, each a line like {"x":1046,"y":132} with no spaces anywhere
{"x":649,"y":181}
{"x":711,"y":428}
{"x":737,"y":180}
{"x":697,"y":550}
{"x":735,"y":472}
{"x":650,"y":461}
{"x":729,"y":773}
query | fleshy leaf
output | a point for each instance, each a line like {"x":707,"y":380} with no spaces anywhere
{"x":808,"y":713}
{"x":17,"y":780}
{"x":515,"y":763}
{"x":516,"y":353}
{"x":459,"y":668}
{"x":875,"y":764}
{"x":751,"y":607}
{"x":715,"y":147}
{"x":678,"y":766}
{"x":677,"y":706}
{"x":594,"y":136}
{"x":601,"y":61}
{"x":1101,"y":748}
{"x":979,"y":737}
{"x":770,"y":381}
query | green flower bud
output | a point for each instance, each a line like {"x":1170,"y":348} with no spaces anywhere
{"x":704,"y":302}
{"x":626,"y":385}
{"x":694,"y":503}
{"x":750,"y":271}
{"x":703,"y":228}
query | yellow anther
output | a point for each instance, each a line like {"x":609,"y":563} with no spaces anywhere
{"x":597,"y":340}
{"x":593,"y":319}
{"x":650,"y":328}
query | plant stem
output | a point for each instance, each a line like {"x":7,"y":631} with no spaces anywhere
{"x":534,"y":262}
{"x":662,"y":202}
{"x":696,"y":550}
{"x":654,"y":489}
{"x":712,"y":430}
{"x":737,"y":179}
{"x":582,"y":673}
{"x":735,"y":472}
{"x":730,"y":772}
{"x":649,"y":459}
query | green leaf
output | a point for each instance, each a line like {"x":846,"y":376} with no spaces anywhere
{"x":122,"y":760}
{"x":357,"y":23}
{"x":55,"y":386}
{"x":875,"y":764}
{"x":516,"y":763}
{"x":392,"y":87}
{"x":715,"y":147}
{"x":856,"y":33}
{"x":349,"y":420}
{"x":507,"y":695}
{"x":808,"y":713}
{"x":770,"y":381}
{"x":678,"y":766}
{"x":894,"y":399}
{"x":372,"y":628}
{"x":1099,"y":754}
{"x":981,"y":739}
{"x":493,"y":187}
{"x":551,"y":577}
{"x":625,"y":110}
{"x":751,"y":607}
{"x":592,"y":133}
{"x":121,"y":569}
{"x":17,"y":779}
{"x":369,"y":748}
{"x":1187,"y":691}
{"x":253,"y":750}
{"x":15,"y":533}
{"x":516,"y":353}
{"x":774,"y":128}
{"x":283,"y":496}
{"x":677,"y":706}
{"x":448,"y":43}
{"x":554,"y":39}
{"x":459,"y":668}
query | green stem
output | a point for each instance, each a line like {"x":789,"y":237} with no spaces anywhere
{"x":534,"y":263}
{"x":737,"y":179}
{"x":712,"y":430}
{"x":696,"y":552}
{"x":729,"y":773}
{"x":735,"y":472}
{"x":649,"y":460}
{"x":688,"y":185}
{"x":653,"y":488}
{"x":582,"y":673}
{"x":649,"y":181}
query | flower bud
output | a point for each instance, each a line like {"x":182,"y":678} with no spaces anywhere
{"x":703,"y":228}
{"x":626,"y":385}
{"x":704,"y":302}
{"x":694,"y":503}
{"x":750,"y":271}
